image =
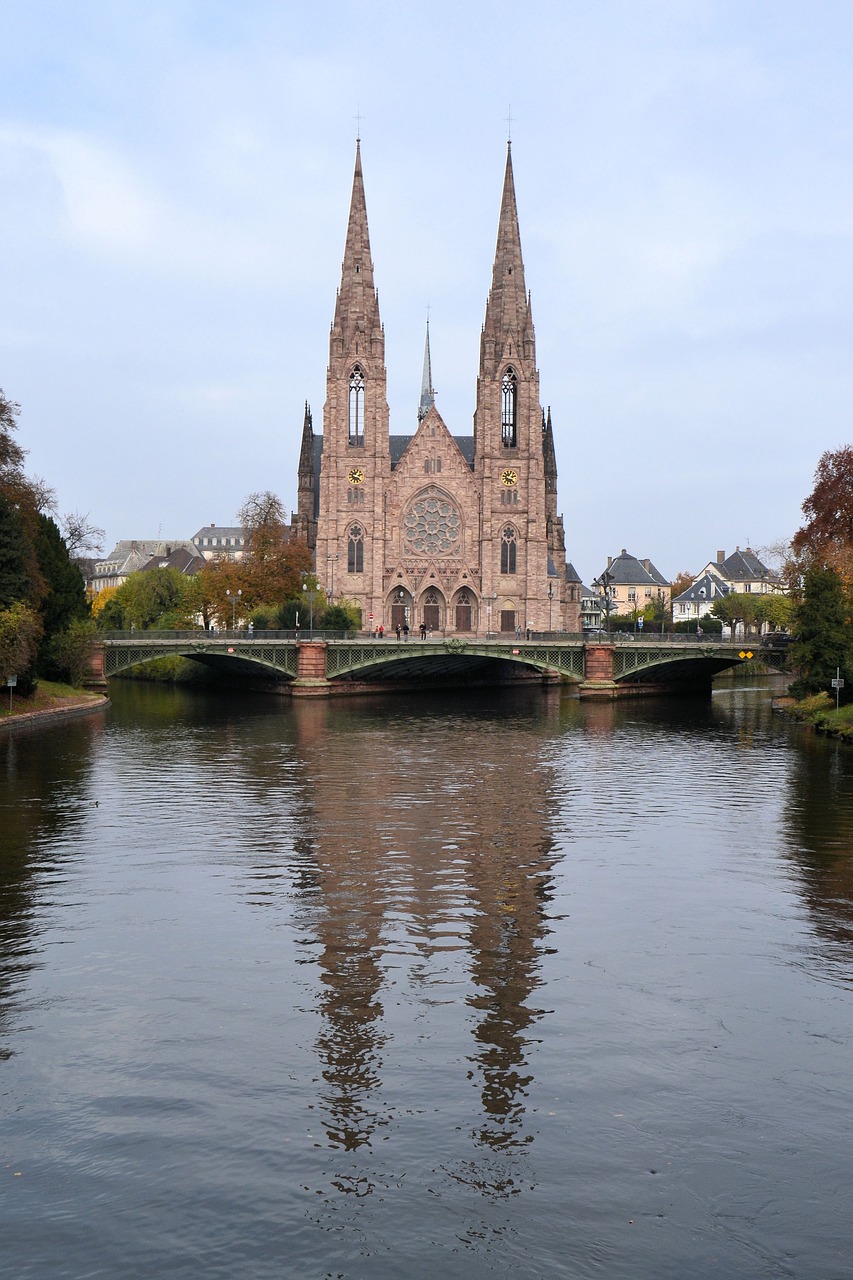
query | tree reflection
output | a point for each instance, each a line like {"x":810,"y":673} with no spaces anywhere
{"x":44,"y":791}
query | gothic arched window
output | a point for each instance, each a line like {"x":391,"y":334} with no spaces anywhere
{"x":509,"y":409}
{"x":508,"y":550}
{"x":355,"y":550}
{"x":356,"y":406}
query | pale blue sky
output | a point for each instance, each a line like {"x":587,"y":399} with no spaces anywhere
{"x":174,"y":185}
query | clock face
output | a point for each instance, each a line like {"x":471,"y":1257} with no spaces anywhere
{"x":509,"y":478}
{"x":355,"y":475}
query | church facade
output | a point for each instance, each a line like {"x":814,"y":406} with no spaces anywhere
{"x":459,"y":534}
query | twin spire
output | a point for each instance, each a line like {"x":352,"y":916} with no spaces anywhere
{"x":508,"y":319}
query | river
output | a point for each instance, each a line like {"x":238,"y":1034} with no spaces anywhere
{"x":479,"y":985}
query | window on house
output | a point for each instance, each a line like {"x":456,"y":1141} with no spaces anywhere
{"x":356,"y":407}
{"x":508,"y":550}
{"x":355,"y":550}
{"x":509,"y":409}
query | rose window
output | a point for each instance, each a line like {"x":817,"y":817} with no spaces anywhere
{"x":431,"y":526}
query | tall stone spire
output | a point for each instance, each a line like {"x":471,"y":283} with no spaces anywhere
{"x":508,"y":318}
{"x":357,"y":306}
{"x":427,"y":393}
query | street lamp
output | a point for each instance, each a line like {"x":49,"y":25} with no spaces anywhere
{"x":331,"y":561}
{"x":310,"y":591}
{"x":604,"y":583}
{"x":550,"y":605}
{"x":234,"y":597}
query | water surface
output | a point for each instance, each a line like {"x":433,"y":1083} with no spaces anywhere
{"x":498,"y":985}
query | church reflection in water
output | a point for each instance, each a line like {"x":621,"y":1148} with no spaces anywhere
{"x":432,"y":853}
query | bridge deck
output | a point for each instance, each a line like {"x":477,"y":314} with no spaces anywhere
{"x":333,"y":657}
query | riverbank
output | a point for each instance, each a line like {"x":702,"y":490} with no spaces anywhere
{"x":820,"y":713}
{"x":49,"y":702}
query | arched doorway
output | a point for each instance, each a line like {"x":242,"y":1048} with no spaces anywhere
{"x":464,"y":610}
{"x":400,"y":608}
{"x":432,"y":609}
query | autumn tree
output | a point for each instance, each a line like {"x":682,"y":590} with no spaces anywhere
{"x":824,"y":637}
{"x":827,"y":536}
{"x":681,"y":582}
{"x":270,"y":572}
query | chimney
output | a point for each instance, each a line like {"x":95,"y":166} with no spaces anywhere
{"x":721,"y":555}
{"x":646,"y":565}
{"x":609,"y":561}
{"x":624,"y":552}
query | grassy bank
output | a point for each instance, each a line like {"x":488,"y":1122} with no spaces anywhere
{"x":819,"y":711}
{"x":49,"y":695}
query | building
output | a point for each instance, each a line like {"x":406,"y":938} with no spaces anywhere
{"x":131,"y":555}
{"x":218,"y":542}
{"x":742,"y":572}
{"x":633,"y":584}
{"x":459,"y":533}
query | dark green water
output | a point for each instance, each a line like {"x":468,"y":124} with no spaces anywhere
{"x":463,"y":987}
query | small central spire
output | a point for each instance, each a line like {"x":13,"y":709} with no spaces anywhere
{"x":427,"y":392}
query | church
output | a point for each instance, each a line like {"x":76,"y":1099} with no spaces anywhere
{"x":457,"y":534}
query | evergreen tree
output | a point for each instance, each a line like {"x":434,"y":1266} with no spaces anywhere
{"x":64,"y":600}
{"x":824,"y":642}
{"x":14,"y":578}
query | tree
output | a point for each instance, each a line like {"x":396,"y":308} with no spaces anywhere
{"x":151,"y":598}
{"x":827,"y":536}
{"x":681,"y":582}
{"x":11,"y":454}
{"x":775,"y":611}
{"x":270,"y":572}
{"x":824,"y":638}
{"x":64,"y":600}
{"x":737,"y":606}
{"x":20,"y":633}
{"x":71,"y":650}
{"x":81,"y":537}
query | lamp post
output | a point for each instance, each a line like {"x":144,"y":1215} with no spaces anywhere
{"x":330,"y":560}
{"x":234,"y":597}
{"x":604,"y":584}
{"x":310,"y":591}
{"x":550,"y":606}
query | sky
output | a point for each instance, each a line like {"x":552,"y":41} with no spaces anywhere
{"x":175,"y":179}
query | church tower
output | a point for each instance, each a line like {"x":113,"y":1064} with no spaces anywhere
{"x":355,"y":458}
{"x":509,"y":443}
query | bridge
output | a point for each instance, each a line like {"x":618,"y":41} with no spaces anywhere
{"x":606,"y":666}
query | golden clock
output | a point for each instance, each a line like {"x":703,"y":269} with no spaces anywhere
{"x":509,"y":477}
{"x":355,"y":475}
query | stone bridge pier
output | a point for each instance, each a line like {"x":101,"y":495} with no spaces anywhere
{"x":598,"y":680}
{"x":311,"y":678}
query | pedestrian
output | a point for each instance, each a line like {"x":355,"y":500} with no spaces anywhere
{"x":251,"y":629}
{"x":405,"y":630}
{"x":381,"y":631}
{"x":398,"y":630}
{"x":423,"y":631}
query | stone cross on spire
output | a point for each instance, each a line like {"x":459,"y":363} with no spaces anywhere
{"x":427,"y":392}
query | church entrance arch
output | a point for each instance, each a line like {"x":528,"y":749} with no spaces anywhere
{"x":432,"y":609}
{"x":464,"y":610}
{"x":400,"y":608}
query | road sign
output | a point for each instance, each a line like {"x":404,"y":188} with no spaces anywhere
{"x":370,"y":617}
{"x":837,"y":684}
{"x":13,"y":680}
{"x":745,"y":653}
